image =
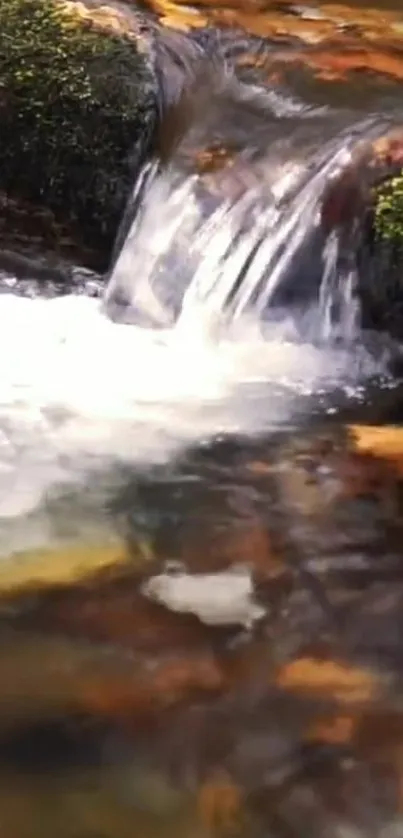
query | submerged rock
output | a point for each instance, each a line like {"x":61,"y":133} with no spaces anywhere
{"x":224,"y":598}
{"x":24,"y":571}
{"x":298,"y":724}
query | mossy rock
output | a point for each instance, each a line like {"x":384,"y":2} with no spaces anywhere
{"x":380,"y":258}
{"x":389,"y":210}
{"x":76,"y":109}
{"x":365,"y":204}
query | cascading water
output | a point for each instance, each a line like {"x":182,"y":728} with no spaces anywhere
{"x":233,"y":268}
{"x":232,"y":259}
{"x":243,"y":238}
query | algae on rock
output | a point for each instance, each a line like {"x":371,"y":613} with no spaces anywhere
{"x":382,"y":265}
{"x":389,"y":209}
{"x":76,"y":100}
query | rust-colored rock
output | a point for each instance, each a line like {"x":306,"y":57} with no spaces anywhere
{"x":48,"y":568}
{"x":336,"y":61}
{"x":334,"y":730}
{"x":349,"y":197}
{"x":383,"y":443}
{"x":156,"y":687}
{"x":339,"y":39}
{"x":329,"y":679}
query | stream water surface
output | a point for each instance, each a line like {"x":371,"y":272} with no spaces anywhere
{"x":201,"y":479}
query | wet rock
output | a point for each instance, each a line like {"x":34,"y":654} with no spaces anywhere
{"x":384,"y":443}
{"x":48,"y":568}
{"x":330,"y":61}
{"x":323,"y":479}
{"x":363,"y":205}
{"x":333,"y":40}
{"x":349,"y":195}
{"x":34,"y":233}
{"x":49,"y":274}
{"x":307,"y":12}
{"x":347,"y":684}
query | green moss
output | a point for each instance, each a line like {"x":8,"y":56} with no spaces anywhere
{"x":389,"y":210}
{"x":73,"y":102}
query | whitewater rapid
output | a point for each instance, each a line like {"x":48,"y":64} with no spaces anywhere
{"x":83,"y":398}
{"x":80,"y":394}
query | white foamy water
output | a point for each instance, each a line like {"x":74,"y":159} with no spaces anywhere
{"x":79,"y":393}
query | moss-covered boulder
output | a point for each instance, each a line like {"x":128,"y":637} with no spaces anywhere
{"x":381,"y":263}
{"x":76,"y":111}
{"x":365,"y":204}
{"x":389,"y":210}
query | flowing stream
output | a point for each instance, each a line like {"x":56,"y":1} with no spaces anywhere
{"x":242,"y":316}
{"x":201,"y":610}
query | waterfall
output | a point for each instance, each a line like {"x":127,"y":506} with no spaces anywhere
{"x":238,"y":295}
{"x":190,"y":254}
{"x":225,"y":221}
